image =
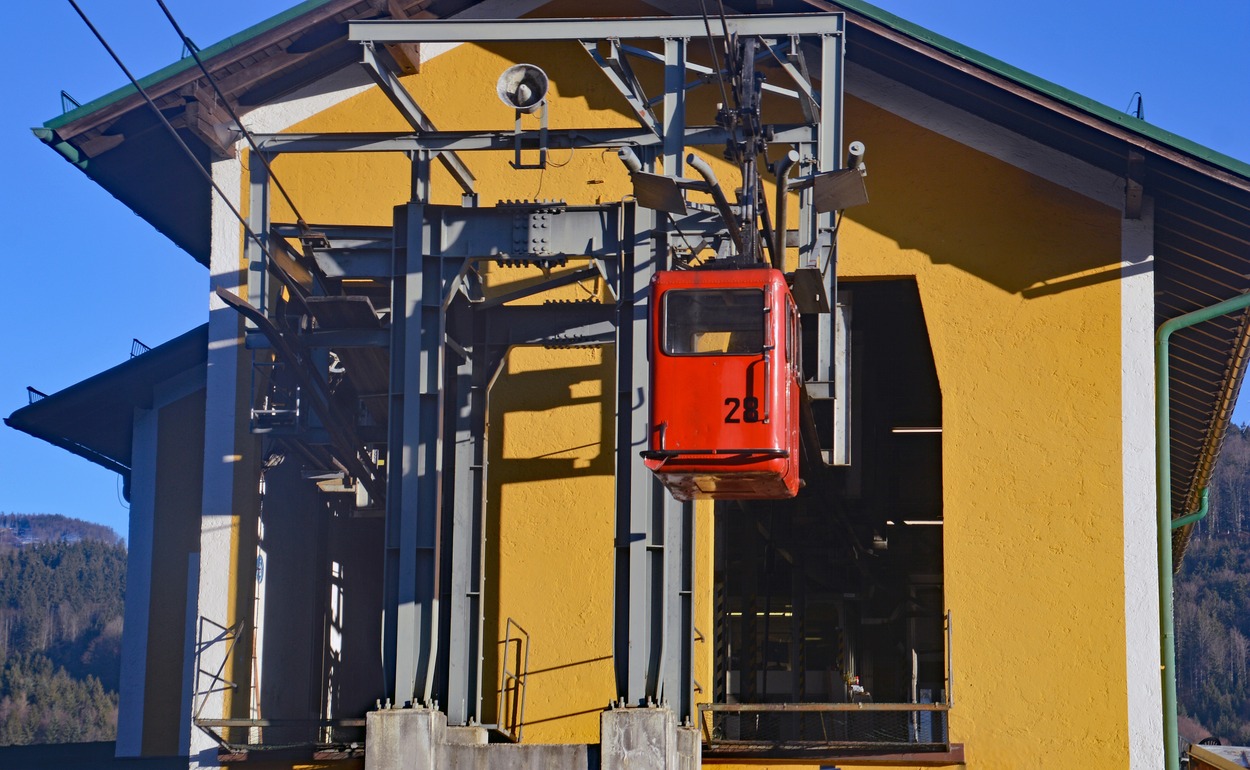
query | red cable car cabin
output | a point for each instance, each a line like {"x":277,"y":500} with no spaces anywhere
{"x":725,"y":374}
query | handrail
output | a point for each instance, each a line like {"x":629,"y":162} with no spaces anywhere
{"x":660,"y":454}
{"x":746,"y":707}
{"x":510,"y":711}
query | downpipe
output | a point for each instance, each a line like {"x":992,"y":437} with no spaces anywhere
{"x":1165,"y":524}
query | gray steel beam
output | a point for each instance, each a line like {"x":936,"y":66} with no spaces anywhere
{"x":618,"y":72}
{"x":672,"y":608}
{"x":382,"y":73}
{"x":674,"y":106}
{"x":414,"y":494}
{"x":464,"y":509}
{"x":636,"y":494}
{"x":332,"y":338}
{"x":483,"y":141}
{"x":563,"y":325}
{"x":828,"y":158}
{"x":258,"y":222}
{"x":529,"y":231}
{"x":536,"y":30}
{"x":809,"y":101}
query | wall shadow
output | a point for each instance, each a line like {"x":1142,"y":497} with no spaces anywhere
{"x":964,"y":208}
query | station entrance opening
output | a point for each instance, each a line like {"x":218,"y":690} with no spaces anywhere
{"x":836,"y":596}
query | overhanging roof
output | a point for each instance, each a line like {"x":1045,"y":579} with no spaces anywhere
{"x":1202,"y":197}
{"x":1202,"y":210}
{"x":95,"y":418}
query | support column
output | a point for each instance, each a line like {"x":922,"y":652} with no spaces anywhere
{"x":130,"y":709}
{"x":414,"y":501}
{"x":654,"y":635}
{"x":225,"y":574}
{"x":467,"y":507}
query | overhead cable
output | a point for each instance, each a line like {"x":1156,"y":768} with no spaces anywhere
{"x":711,"y":47}
{"x":195,"y":161}
{"x":251,"y":142}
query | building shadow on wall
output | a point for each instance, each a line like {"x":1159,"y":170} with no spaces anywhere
{"x":541,"y":395}
{"x":964,"y":208}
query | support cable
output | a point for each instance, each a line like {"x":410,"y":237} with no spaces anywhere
{"x":350,"y":453}
{"x":711,"y":47}
{"x":296,"y":290}
{"x":730,"y":59}
{"x":251,"y":142}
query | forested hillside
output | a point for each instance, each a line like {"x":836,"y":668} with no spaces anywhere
{"x":62,"y":587}
{"x":1213,"y":603}
{"x":18,"y":529}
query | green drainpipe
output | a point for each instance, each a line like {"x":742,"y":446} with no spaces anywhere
{"x":1163,"y":471}
{"x":1197,"y":515}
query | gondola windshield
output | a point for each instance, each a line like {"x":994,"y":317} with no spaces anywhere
{"x":714,"y":322}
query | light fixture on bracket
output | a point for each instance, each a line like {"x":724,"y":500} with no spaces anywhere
{"x":841,"y":189}
{"x":523,"y":87}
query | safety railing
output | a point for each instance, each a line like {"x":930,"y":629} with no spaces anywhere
{"x":514,"y":661}
{"x":208,"y":682}
{"x":324,"y":739}
{"x":822,"y":730}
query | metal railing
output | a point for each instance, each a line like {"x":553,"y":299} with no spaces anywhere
{"x":344,"y":738}
{"x":514,"y":662}
{"x":816,"y":730}
{"x":213,"y":634}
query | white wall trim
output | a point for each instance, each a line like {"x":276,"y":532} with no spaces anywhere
{"x":1141,"y":577}
{"x":210,"y":587}
{"x":983,"y":136}
{"x":130,"y":696}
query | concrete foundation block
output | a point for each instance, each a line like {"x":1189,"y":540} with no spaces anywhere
{"x":639,"y":739}
{"x":689,"y":748}
{"x":467,"y":736}
{"x":507,"y":756}
{"x":405,"y":739}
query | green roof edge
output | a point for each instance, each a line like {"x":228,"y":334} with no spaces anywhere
{"x":1053,"y":90}
{"x":897,"y":23}
{"x":187,"y":62}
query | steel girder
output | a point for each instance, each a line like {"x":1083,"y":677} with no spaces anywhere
{"x":435,"y":500}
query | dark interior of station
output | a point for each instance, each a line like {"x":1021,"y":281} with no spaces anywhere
{"x":845,"y":580}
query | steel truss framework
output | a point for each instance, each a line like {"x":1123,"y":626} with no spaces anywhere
{"x":447,"y":340}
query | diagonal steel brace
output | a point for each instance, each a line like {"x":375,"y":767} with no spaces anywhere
{"x":385,"y":77}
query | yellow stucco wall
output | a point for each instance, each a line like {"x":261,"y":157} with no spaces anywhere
{"x":1028,"y":356}
{"x":1028,"y":360}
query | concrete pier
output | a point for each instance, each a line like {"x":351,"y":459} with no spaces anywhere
{"x":630,"y":739}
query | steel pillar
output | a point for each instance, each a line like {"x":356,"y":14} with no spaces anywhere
{"x":653,"y":640}
{"x":414,"y":478}
{"x":258,"y":222}
{"x":466,"y":510}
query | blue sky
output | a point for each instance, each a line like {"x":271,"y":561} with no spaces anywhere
{"x":85,"y":275}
